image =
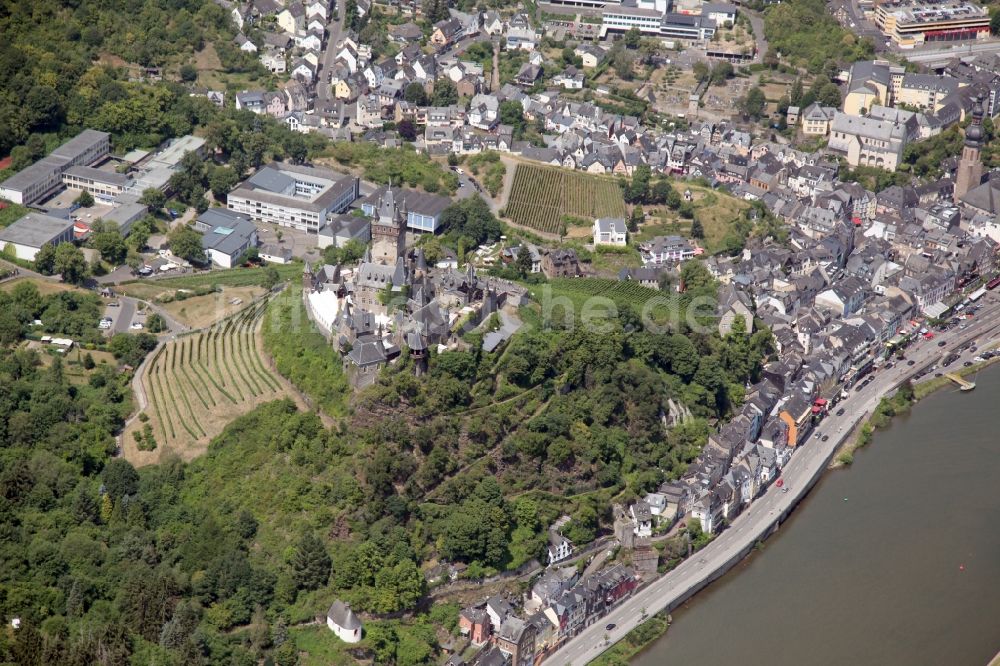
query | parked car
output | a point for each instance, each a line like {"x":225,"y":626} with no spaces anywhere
{"x":136,"y":326}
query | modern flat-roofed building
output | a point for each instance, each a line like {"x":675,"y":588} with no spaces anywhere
{"x":154,"y":172}
{"x":294,"y":196}
{"x":31,"y":232}
{"x":651,"y":18}
{"x":423,"y":211}
{"x":44,"y":177}
{"x":910,"y":23}
{"x":125,"y":215}
{"x":103,"y":185}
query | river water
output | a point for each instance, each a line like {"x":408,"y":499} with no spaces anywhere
{"x":894,"y":561}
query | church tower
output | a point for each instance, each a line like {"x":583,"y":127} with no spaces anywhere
{"x":388,"y":231}
{"x":970,"y":168}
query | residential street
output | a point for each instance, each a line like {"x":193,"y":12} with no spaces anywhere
{"x":805,"y":467}
{"x":335,"y":29}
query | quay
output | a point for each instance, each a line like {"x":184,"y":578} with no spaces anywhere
{"x":963,"y":384}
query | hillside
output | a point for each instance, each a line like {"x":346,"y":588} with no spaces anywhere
{"x":221,"y":558}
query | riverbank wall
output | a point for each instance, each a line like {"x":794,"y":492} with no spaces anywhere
{"x":801,"y":492}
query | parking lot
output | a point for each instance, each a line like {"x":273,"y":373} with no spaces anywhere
{"x":121,"y":316}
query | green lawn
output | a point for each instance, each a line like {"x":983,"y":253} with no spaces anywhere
{"x":11,"y":213}
{"x":232,"y":277}
{"x":318,"y":646}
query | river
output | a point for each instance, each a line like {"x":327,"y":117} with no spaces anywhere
{"x":894,"y":561}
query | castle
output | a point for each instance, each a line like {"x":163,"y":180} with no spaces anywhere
{"x":393,"y":301}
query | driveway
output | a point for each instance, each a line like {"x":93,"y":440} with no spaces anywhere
{"x":121,"y":315}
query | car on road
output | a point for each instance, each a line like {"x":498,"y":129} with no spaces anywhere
{"x":824,"y":438}
{"x":840,"y":412}
{"x":942,"y":343}
{"x":610,"y":626}
{"x":967,"y":363}
{"x":911,"y":362}
{"x":818,"y":435}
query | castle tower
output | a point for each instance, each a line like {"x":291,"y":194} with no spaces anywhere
{"x":970,"y":168}
{"x":388,"y":231}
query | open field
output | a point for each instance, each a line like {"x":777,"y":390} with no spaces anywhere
{"x":717,"y":211}
{"x":45,"y":287}
{"x":229,"y":277}
{"x":197,"y":384}
{"x":540,"y":197}
{"x":196,"y":311}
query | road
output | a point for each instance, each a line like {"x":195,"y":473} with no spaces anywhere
{"x":334,"y":30}
{"x":757,"y":24}
{"x":765,"y":513}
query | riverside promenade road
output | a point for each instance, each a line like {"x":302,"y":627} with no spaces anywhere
{"x":760,"y":519}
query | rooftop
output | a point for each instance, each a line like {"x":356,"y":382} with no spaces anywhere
{"x":35,"y":230}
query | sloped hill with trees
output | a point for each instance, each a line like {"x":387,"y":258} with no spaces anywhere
{"x":221,"y":559}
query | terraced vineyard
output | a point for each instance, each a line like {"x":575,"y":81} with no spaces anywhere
{"x":541,"y":196}
{"x":196,"y":384}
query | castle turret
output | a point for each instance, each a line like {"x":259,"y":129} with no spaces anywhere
{"x":388,"y":230}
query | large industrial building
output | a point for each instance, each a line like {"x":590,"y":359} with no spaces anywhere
{"x":294,"y":196}
{"x":910,"y":23}
{"x":45,"y":177}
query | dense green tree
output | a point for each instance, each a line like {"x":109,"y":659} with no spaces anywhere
{"x":415,"y":94}
{"x":109,"y":242}
{"x":153,"y":198}
{"x":632,"y":38}
{"x":185,"y":242}
{"x":120,"y":478}
{"x":85,"y":200}
{"x":45,"y":259}
{"x":310,"y":563}
{"x":70,"y":263}
{"x":512,"y":113}
{"x":753,"y":103}
{"x":445,"y":93}
{"x":524,"y":262}
{"x":221,"y":180}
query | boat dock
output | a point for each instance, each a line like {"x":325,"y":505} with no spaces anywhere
{"x":963,"y":384}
